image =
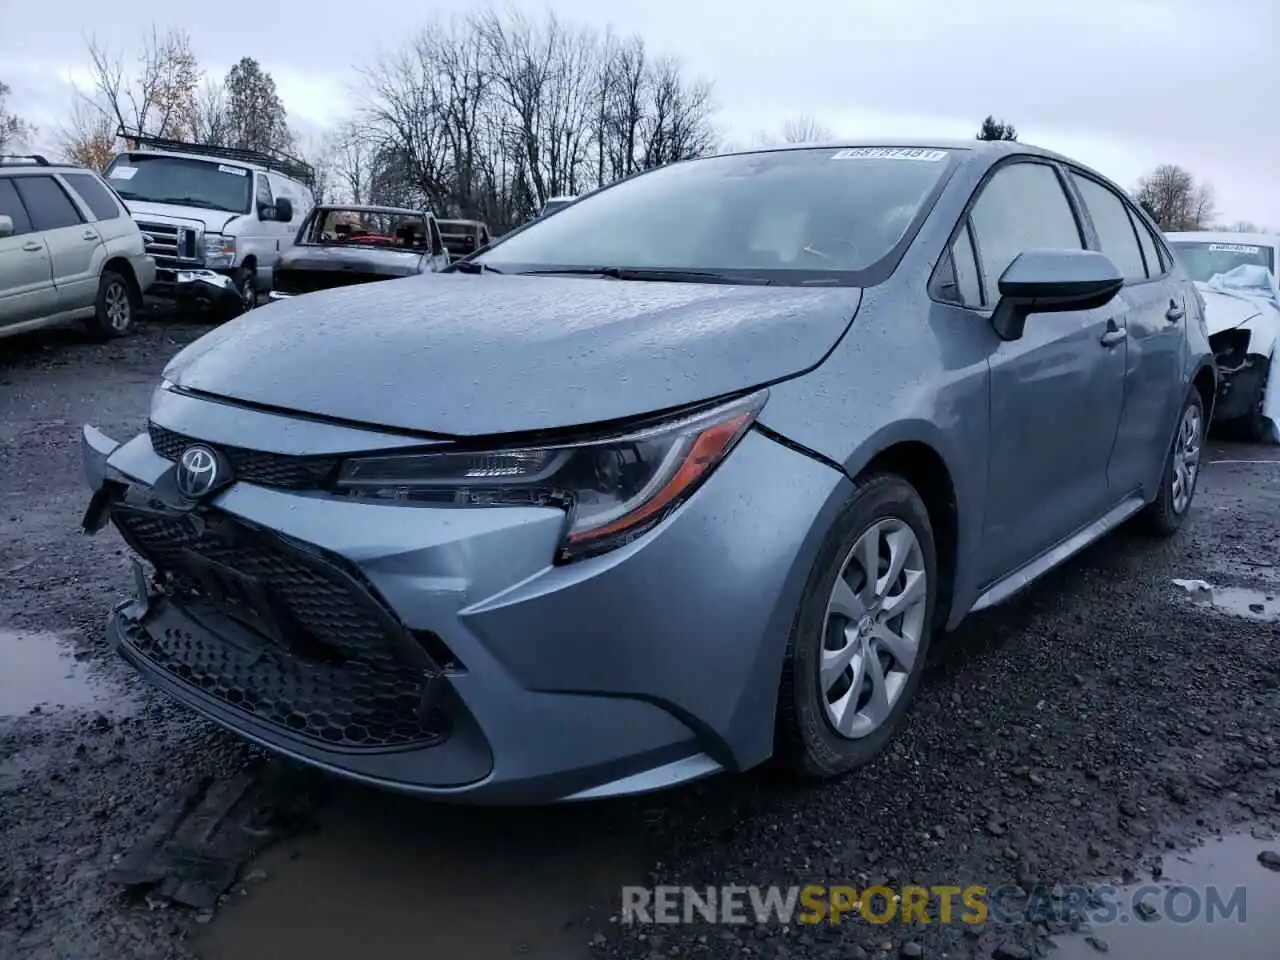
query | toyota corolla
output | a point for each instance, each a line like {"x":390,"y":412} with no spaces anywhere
{"x":681,"y":479}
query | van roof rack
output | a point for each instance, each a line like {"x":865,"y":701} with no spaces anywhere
{"x":275,"y":160}
{"x":31,"y":158}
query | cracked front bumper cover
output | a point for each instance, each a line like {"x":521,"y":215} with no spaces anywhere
{"x":194,"y":285}
{"x":558,"y":682}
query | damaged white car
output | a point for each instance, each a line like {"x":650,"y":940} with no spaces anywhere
{"x":1236,"y":275}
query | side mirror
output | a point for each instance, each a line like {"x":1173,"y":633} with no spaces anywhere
{"x":283,"y":212}
{"x":6,"y":226}
{"x":1053,"y":281}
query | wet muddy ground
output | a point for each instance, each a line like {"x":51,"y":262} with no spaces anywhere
{"x":1110,"y":724}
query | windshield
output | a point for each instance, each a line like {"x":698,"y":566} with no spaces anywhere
{"x":1204,"y":260}
{"x":367,"y":228}
{"x":191,"y":183}
{"x":807,"y":215}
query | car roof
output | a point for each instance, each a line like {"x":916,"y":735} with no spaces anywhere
{"x":371,"y":208}
{"x":34,"y":163}
{"x":1226,"y":236}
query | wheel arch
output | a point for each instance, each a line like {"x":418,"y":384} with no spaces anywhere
{"x":124,"y":268}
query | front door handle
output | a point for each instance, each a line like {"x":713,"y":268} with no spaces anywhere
{"x":1112,"y":337}
{"x":1175,"y":312}
{"x":33,"y":247}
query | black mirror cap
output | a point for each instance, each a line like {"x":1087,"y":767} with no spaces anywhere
{"x":284,"y":210}
{"x":1051,"y":281}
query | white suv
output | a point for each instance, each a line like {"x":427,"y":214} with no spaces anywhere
{"x":68,"y":250}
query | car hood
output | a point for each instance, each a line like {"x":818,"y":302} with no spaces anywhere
{"x":211,"y":221}
{"x":1224,"y":311}
{"x":391,"y":263}
{"x":468,"y":355}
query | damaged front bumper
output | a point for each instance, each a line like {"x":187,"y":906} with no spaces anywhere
{"x":1242,"y":376}
{"x":197,"y":284}
{"x":455,"y":660}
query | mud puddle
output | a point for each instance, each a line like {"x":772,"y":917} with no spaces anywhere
{"x":1244,"y":602}
{"x":1216,"y":901}
{"x":39,"y":672}
{"x":392,"y":876}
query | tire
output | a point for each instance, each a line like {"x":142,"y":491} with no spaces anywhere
{"x":244,"y":280}
{"x":1164,"y":516}
{"x":116,"y":308}
{"x":807,"y":740}
{"x":1253,"y":427}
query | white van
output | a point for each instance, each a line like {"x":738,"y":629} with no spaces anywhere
{"x":214,"y":218}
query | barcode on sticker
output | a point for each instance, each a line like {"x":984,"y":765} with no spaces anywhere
{"x":1232,"y":248}
{"x":890,"y":153}
{"x":238,"y":171}
{"x":123,"y":173}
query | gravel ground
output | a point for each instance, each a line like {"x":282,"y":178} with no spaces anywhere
{"x":1103,"y":717}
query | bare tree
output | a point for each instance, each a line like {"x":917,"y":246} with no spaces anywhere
{"x":88,"y":139}
{"x":210,"y":122}
{"x":1173,"y":198}
{"x":352,"y":161}
{"x":158,"y":98}
{"x":806,"y":129}
{"x":1243,"y":226}
{"x":14,"y":131}
{"x":489,"y":115}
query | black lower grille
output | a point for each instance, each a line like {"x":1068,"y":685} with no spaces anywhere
{"x":336,"y":673}
{"x":252,"y":466}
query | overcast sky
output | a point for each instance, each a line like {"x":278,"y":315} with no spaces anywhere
{"x":1121,"y":85}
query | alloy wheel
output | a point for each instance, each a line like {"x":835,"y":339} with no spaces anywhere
{"x":1186,"y":459}
{"x":117,"y":306}
{"x":874,"y":624}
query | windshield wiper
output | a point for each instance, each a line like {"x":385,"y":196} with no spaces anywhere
{"x":655,"y":274}
{"x":472,"y":266}
{"x":190,"y":202}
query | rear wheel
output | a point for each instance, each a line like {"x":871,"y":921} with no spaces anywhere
{"x":116,"y":307}
{"x":1164,"y":515}
{"x":857,"y":647}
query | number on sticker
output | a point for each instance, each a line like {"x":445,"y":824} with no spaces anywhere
{"x":238,"y":171}
{"x":1233,"y":248}
{"x":890,"y":153}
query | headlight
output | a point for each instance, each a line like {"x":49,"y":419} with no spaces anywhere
{"x":613,"y":489}
{"x":219,"y":251}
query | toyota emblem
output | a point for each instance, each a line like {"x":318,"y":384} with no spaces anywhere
{"x":198,"y":472}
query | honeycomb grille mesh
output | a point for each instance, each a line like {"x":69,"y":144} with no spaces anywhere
{"x":348,"y":686}
{"x":252,"y":466}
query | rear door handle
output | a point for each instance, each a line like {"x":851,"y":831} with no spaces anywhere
{"x":33,"y":247}
{"x":89,"y":235}
{"x":1112,"y":337}
{"x":1175,"y":312}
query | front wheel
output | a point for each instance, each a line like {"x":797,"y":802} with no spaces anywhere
{"x":245,"y":282}
{"x":857,"y":648}
{"x":1164,"y":515}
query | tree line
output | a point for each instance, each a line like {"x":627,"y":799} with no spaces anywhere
{"x":483,"y":116}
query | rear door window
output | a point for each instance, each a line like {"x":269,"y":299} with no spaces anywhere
{"x":47,"y":203}
{"x":97,"y":197}
{"x":1117,"y":235}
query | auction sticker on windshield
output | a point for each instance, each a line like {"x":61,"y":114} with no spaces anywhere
{"x":123,"y":173}
{"x":1232,"y":248}
{"x":890,"y":153}
{"x":238,"y":171}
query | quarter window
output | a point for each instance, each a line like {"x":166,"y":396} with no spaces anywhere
{"x":1117,"y":235}
{"x":95,"y":195}
{"x":1022,"y":207}
{"x":47,"y":203}
{"x":264,"y":191}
